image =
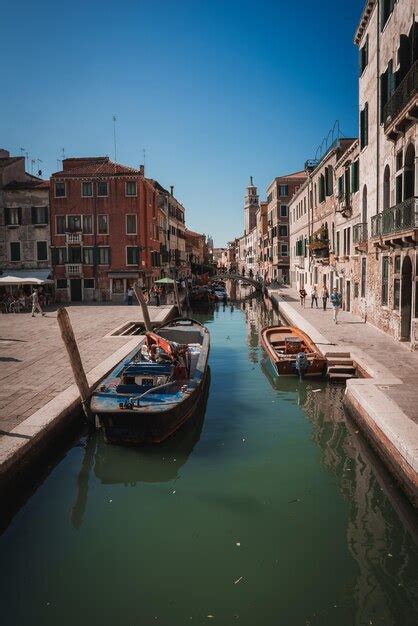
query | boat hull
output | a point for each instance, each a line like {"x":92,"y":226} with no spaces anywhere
{"x":285,"y":365}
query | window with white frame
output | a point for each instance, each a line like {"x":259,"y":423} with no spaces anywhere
{"x":87,"y":189}
{"x":88,"y":224}
{"x":61,"y":224}
{"x":74,"y":222}
{"x":131,"y":188}
{"x":102,"y":190}
{"x":60,"y":191}
{"x":104,"y":255}
{"x":131,"y":255}
{"x":131,"y":224}
{"x":283,"y":249}
{"x":13,"y":216}
{"x":283,"y":210}
{"x":88,"y":255}
{"x":39,"y":215}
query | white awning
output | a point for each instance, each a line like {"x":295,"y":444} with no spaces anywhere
{"x":25,"y":277}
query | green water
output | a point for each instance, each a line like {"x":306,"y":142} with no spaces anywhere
{"x":270,"y":509}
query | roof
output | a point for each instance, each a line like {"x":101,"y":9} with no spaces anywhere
{"x":16,"y":185}
{"x":6,"y":161}
{"x":94,"y":166}
{"x":364,"y":20}
{"x":294,"y":176}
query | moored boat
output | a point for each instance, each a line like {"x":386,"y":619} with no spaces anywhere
{"x":157,"y":388}
{"x":292,"y":352}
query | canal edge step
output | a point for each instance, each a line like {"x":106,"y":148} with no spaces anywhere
{"x":340,"y":367}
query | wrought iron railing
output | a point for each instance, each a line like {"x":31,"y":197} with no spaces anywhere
{"x":401,"y":96}
{"x":403,"y":216}
{"x":360,"y":233}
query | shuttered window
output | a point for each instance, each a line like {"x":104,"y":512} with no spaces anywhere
{"x":15,"y":251}
{"x":42,"y":250}
{"x":355,"y":183}
{"x":13,"y":216}
{"x":364,"y":126}
{"x":385,"y":280}
{"x":39,"y":215}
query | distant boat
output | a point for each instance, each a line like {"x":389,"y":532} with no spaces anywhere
{"x":292,"y":352}
{"x":157,"y":388}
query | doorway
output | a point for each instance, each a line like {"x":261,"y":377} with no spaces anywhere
{"x":406,"y":299}
{"x":75,"y":290}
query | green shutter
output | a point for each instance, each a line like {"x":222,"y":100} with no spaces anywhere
{"x":6,"y":216}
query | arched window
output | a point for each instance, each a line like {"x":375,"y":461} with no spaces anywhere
{"x":409,"y":172}
{"x":386,"y":188}
{"x":364,"y":206}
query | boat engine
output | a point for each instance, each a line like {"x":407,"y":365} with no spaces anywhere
{"x":301,"y":364}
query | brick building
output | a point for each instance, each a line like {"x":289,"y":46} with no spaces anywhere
{"x":104,"y":229}
{"x":279,"y":193}
{"x":24,"y":220}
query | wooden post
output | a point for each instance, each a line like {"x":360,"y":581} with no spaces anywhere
{"x":141,"y":300}
{"x":176,"y":293}
{"x":70,"y":343}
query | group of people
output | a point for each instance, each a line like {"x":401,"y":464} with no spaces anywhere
{"x":21,"y":302}
{"x":336,"y":299}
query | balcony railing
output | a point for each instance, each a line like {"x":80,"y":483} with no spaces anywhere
{"x":72,"y":238}
{"x":399,"y":218}
{"x":360,"y":233}
{"x":401,"y":96}
{"x":74,"y":269}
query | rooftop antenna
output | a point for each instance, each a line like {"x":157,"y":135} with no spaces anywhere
{"x":32,"y":163}
{"x":114,"y":134}
{"x":63,"y":153}
{"x":38,"y":161}
{"x":22,"y":151}
{"x":143,"y":156}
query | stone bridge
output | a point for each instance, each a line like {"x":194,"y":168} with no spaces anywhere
{"x":238,"y":277}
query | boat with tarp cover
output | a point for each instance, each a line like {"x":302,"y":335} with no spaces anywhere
{"x":157,"y":388}
{"x":292,"y":352}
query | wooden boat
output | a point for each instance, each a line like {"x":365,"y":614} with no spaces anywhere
{"x":292,"y":352}
{"x":157,"y":388}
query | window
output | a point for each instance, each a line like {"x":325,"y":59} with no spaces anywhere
{"x":131,"y":224}
{"x":355,"y":182}
{"x":87,"y":224}
{"x":74,"y":255}
{"x":283,"y":249}
{"x":363,"y":276}
{"x":103,"y":224}
{"x":131,"y":188}
{"x":86,"y":190}
{"x":387,"y":87}
{"x":364,"y":56}
{"x":386,"y":8}
{"x":61,"y":224}
{"x":397,"y":267}
{"x":104,"y":255}
{"x":89,"y":283}
{"x":321,"y":188}
{"x":61,"y":283}
{"x":283,"y":230}
{"x":59,"y":256}
{"x":132,"y":255}
{"x":396,"y":293}
{"x":60,"y":190}
{"x":88,"y":256}
{"x":328,"y":180}
{"x":13,"y":216}
{"x":385,"y":280}
{"x":39,"y":215}
{"x":338,"y":243}
{"x":284,"y":190}
{"x":364,"y":126}
{"x":102,"y":189}
{"x":283,"y":210}
{"x":74,"y":222}
{"x":348,"y":241}
{"x":41,"y":251}
{"x":15,"y":251}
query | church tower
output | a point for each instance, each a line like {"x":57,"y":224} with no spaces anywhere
{"x":251,"y":207}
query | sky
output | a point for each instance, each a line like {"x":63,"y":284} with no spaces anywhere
{"x":214,"y":91}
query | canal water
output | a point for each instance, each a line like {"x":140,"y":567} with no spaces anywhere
{"x":269,"y":509}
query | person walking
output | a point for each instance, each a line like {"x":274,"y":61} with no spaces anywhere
{"x":325,"y":296}
{"x":130,"y":294}
{"x":36,"y":307}
{"x":314,"y":296}
{"x":302,"y":295}
{"x":336,"y":303}
{"x":157,"y":295}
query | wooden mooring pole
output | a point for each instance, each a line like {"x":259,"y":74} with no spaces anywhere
{"x":144,"y":307}
{"x":176,"y":293}
{"x":80,"y":377}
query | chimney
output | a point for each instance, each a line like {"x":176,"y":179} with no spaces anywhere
{"x":172,"y":189}
{"x":142,"y":170}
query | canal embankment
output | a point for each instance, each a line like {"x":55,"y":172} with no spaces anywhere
{"x":38,"y":397}
{"x":384,"y":401}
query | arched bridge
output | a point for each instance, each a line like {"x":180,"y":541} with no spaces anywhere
{"x":238,"y":277}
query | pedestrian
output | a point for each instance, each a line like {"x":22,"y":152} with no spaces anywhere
{"x":157,"y":295}
{"x":302,"y":294}
{"x":314,"y":296}
{"x":36,"y":307}
{"x":130,"y":294}
{"x":325,"y":296}
{"x":336,"y":303}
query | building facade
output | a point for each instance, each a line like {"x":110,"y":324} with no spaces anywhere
{"x":24,"y":220}
{"x":104,"y":230}
{"x":387,"y":39}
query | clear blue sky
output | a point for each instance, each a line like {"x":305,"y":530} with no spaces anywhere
{"x":214,"y":90}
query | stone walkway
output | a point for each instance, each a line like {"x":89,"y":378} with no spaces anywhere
{"x":351,"y":332}
{"x":34,"y":366}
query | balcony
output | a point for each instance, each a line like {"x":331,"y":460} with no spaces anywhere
{"x":400,"y":221}
{"x":74,"y":269}
{"x":360,"y":233}
{"x":73,"y":238}
{"x":399,"y":112}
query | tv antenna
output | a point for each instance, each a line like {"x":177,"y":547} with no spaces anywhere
{"x":144,"y":156}
{"x":114,"y":118}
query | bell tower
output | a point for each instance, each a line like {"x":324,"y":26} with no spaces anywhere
{"x":251,"y":206}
